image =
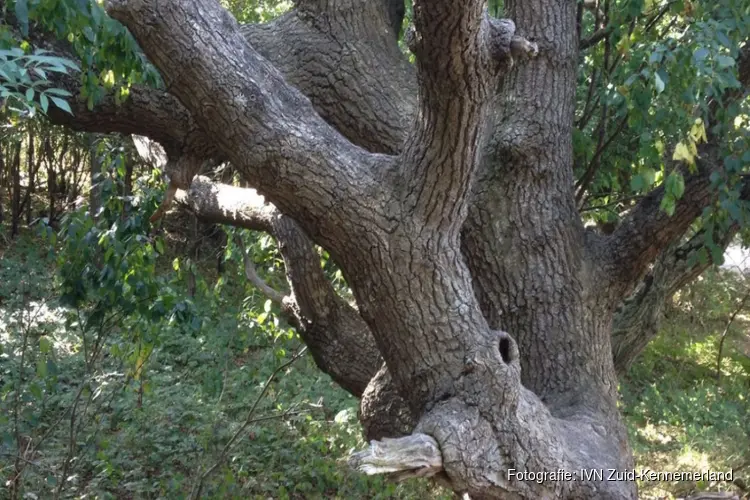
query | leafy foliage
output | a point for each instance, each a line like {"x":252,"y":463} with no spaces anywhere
{"x":648,"y":94}
{"x":110,"y":57}
{"x":256,"y":11}
{"x":24,"y":84}
{"x":120,"y":381}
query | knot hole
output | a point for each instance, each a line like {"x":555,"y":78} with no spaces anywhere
{"x":505,"y":349}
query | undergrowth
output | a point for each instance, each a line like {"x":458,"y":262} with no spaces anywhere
{"x":155,"y":412}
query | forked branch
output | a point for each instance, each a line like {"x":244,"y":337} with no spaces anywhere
{"x":266,"y":128}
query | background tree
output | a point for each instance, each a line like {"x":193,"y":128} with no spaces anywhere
{"x":450,"y":193}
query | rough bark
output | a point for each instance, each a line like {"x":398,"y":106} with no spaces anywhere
{"x":344,"y":57}
{"x":638,"y":318}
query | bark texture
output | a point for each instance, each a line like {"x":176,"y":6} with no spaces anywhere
{"x":445,"y":193}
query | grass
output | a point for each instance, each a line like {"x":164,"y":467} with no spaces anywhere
{"x":680,"y":417}
{"x":159,"y":407}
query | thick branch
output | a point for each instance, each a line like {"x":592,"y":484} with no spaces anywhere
{"x":523,"y":236}
{"x":251,"y":274}
{"x":416,"y":455}
{"x":456,"y":49}
{"x":365,"y":87}
{"x":338,"y":338}
{"x":391,"y":11}
{"x":638,"y":318}
{"x":648,"y":230}
{"x":146,"y":111}
{"x":266,"y":128}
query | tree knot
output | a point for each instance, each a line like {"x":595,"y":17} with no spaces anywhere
{"x":505,"y":46}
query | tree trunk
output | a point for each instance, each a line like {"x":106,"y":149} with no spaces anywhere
{"x":51,"y":179}
{"x":95,"y":167}
{"x":15,"y":170}
{"x":32,"y":168}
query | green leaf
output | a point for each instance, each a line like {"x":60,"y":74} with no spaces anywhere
{"x":723,"y":39}
{"x":45,"y":345}
{"x":660,"y":79}
{"x":725,"y":61}
{"x":700,"y":54}
{"x":58,"y":92}
{"x":668,"y":204}
{"x":62,"y":104}
{"x":30,"y":94}
{"x":637,"y":183}
{"x":41,"y":368}
{"x":22,"y":15}
{"x":44,"y":102}
{"x":659,"y":83}
{"x":675,"y":185}
{"x":35,"y":390}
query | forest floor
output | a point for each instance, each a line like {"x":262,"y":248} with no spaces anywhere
{"x":157,"y":418}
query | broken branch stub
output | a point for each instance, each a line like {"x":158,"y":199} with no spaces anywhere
{"x":416,"y":455}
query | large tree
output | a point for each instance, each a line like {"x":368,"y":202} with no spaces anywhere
{"x":491,"y":324}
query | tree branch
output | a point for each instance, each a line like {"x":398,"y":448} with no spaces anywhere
{"x":451,"y":105}
{"x":365,"y":88}
{"x":268,"y":129}
{"x":339,"y":340}
{"x":638,"y":318}
{"x":251,"y":274}
{"x":648,"y":230}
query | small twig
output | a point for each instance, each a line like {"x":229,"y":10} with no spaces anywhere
{"x":720,"y":355}
{"x":16,"y":398}
{"x":624,"y":199}
{"x":26,"y":460}
{"x":252,"y":276}
{"x":595,"y":163}
{"x":165,"y":204}
{"x":196,"y":493}
{"x":71,"y":441}
{"x":595,"y":38}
